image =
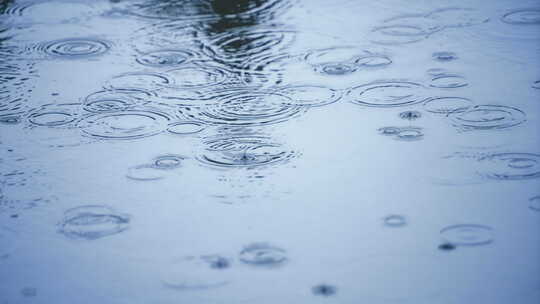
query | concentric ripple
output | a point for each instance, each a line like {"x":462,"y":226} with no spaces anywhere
{"x":344,"y":60}
{"x":262,"y":254}
{"x":510,"y":166}
{"x":409,"y":134}
{"x":125,"y":125}
{"x":197,"y":77}
{"x":448,"y":81}
{"x":468,"y":234}
{"x":528,"y":16}
{"x":444,"y":56}
{"x":447,"y":105}
{"x":198,"y":273}
{"x":146,"y":81}
{"x":310,"y":95}
{"x":145,"y":172}
{"x":116,"y":100}
{"x":165,"y":58}
{"x":185,"y":128}
{"x":395,"y":220}
{"x":487,"y":117}
{"x":247,"y":109}
{"x":92,"y":222}
{"x":243,"y":152}
{"x":387,"y":94}
{"x":55,"y":115}
{"x":168,"y":161}
{"x":74,"y":48}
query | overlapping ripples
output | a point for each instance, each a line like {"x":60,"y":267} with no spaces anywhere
{"x":388,"y":93}
{"x":487,"y":117}
{"x":510,"y":166}
{"x":92,"y":222}
{"x":73,"y":48}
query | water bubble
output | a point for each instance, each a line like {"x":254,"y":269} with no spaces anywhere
{"x":324,"y":290}
{"x":139,"y":81}
{"x":528,"y":16}
{"x":262,"y":254}
{"x":395,"y":220}
{"x":165,"y":58}
{"x":534,"y":203}
{"x":447,"y":105}
{"x":468,"y":234}
{"x":75,"y":48}
{"x":310,"y":95}
{"x":387,"y":94}
{"x":487,"y":117}
{"x":92,"y":222}
{"x":243,"y":152}
{"x":198,"y":273}
{"x":116,"y":100}
{"x":146,"y":172}
{"x":511,"y":166}
{"x":448,"y":81}
{"x":125,"y":125}
{"x":410,"y":115}
{"x":185,"y":128}
{"x":197,"y":77}
{"x":168,"y":161}
{"x":55,"y":115}
{"x":444,"y":56}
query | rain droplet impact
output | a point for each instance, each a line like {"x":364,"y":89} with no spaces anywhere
{"x":528,"y":16}
{"x":511,"y":166}
{"x":468,"y":234}
{"x":116,"y":100}
{"x":387,"y":94}
{"x":336,"y":69}
{"x":444,"y":56}
{"x":534,"y":203}
{"x":55,"y":115}
{"x":310,"y":95}
{"x":74,"y":48}
{"x":487,"y":117}
{"x":447,"y":246}
{"x":198,"y":273}
{"x":262,"y":254}
{"x":448,"y":81}
{"x":197,"y":77}
{"x":165,"y":58}
{"x":125,"y":125}
{"x":324,"y":290}
{"x":92,"y":222}
{"x":185,"y":128}
{"x":146,"y":172}
{"x":447,"y":105}
{"x":168,"y":161}
{"x":395,"y":220}
{"x":410,"y":115}
{"x":146,"y":81}
{"x":402,"y":133}
{"x":244,"y":152}
{"x":389,"y":131}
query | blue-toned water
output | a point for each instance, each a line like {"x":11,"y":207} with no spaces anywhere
{"x":269,"y":151}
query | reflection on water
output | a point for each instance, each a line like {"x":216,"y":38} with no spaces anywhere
{"x":269,"y":151}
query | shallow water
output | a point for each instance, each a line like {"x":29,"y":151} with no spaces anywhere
{"x":269,"y":151}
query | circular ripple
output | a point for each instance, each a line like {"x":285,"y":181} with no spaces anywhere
{"x":487,"y":117}
{"x":198,"y":273}
{"x":144,"y":173}
{"x":389,"y":131}
{"x":92,"y":222}
{"x":125,"y":125}
{"x":336,"y":69}
{"x":399,"y":34}
{"x":243,"y":152}
{"x":310,"y":95}
{"x":410,"y":134}
{"x":185,"y":128}
{"x":446,"y":105}
{"x":116,"y":100}
{"x":536,"y":84}
{"x":529,"y":16}
{"x":511,"y":166}
{"x":55,"y":115}
{"x":534,"y":203}
{"x":387,"y":94}
{"x":247,"y":109}
{"x":168,"y":161}
{"x":395,"y":220}
{"x":262,"y":254}
{"x":468,"y":235}
{"x":75,"y":47}
{"x":139,"y":81}
{"x":444,"y":56}
{"x":165,"y":58}
{"x":448,"y":81}
{"x":197,"y":77}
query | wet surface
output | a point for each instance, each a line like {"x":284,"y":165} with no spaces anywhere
{"x":269,"y":151}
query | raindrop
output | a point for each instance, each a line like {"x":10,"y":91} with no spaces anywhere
{"x":324,"y":290}
{"x":444,"y":56}
{"x":395,"y":220}
{"x":511,"y":166}
{"x":168,"y":161}
{"x":447,"y":105}
{"x":387,"y":94}
{"x":310,"y":95}
{"x":487,"y":117}
{"x":468,"y":234}
{"x":448,"y":81}
{"x":185,"y":128}
{"x":125,"y":125}
{"x":165,"y":58}
{"x":528,"y":16}
{"x":410,"y":115}
{"x":92,"y":222}
{"x":262,"y":254}
{"x":534,"y":203}
{"x":75,"y":48}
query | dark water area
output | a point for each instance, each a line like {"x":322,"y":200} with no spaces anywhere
{"x":269,"y":151}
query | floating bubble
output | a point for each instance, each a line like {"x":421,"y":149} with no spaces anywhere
{"x":444,"y":56}
{"x":243,"y":152}
{"x":197,"y":77}
{"x":92,"y":222}
{"x":468,"y":234}
{"x":487,"y":117}
{"x":395,"y":220}
{"x":198,"y":273}
{"x":310,"y":95}
{"x":139,"y":81}
{"x":387,"y":94}
{"x":511,"y":166}
{"x":262,"y":254}
{"x":168,"y":161}
{"x":185,"y":128}
{"x":527,"y":16}
{"x":324,"y":290}
{"x":55,"y":115}
{"x":75,"y":48}
{"x":145,"y":173}
{"x":534,"y":203}
{"x":447,"y":105}
{"x":410,"y":115}
{"x":125,"y":125}
{"x":448,"y":81}
{"x":165,"y":58}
